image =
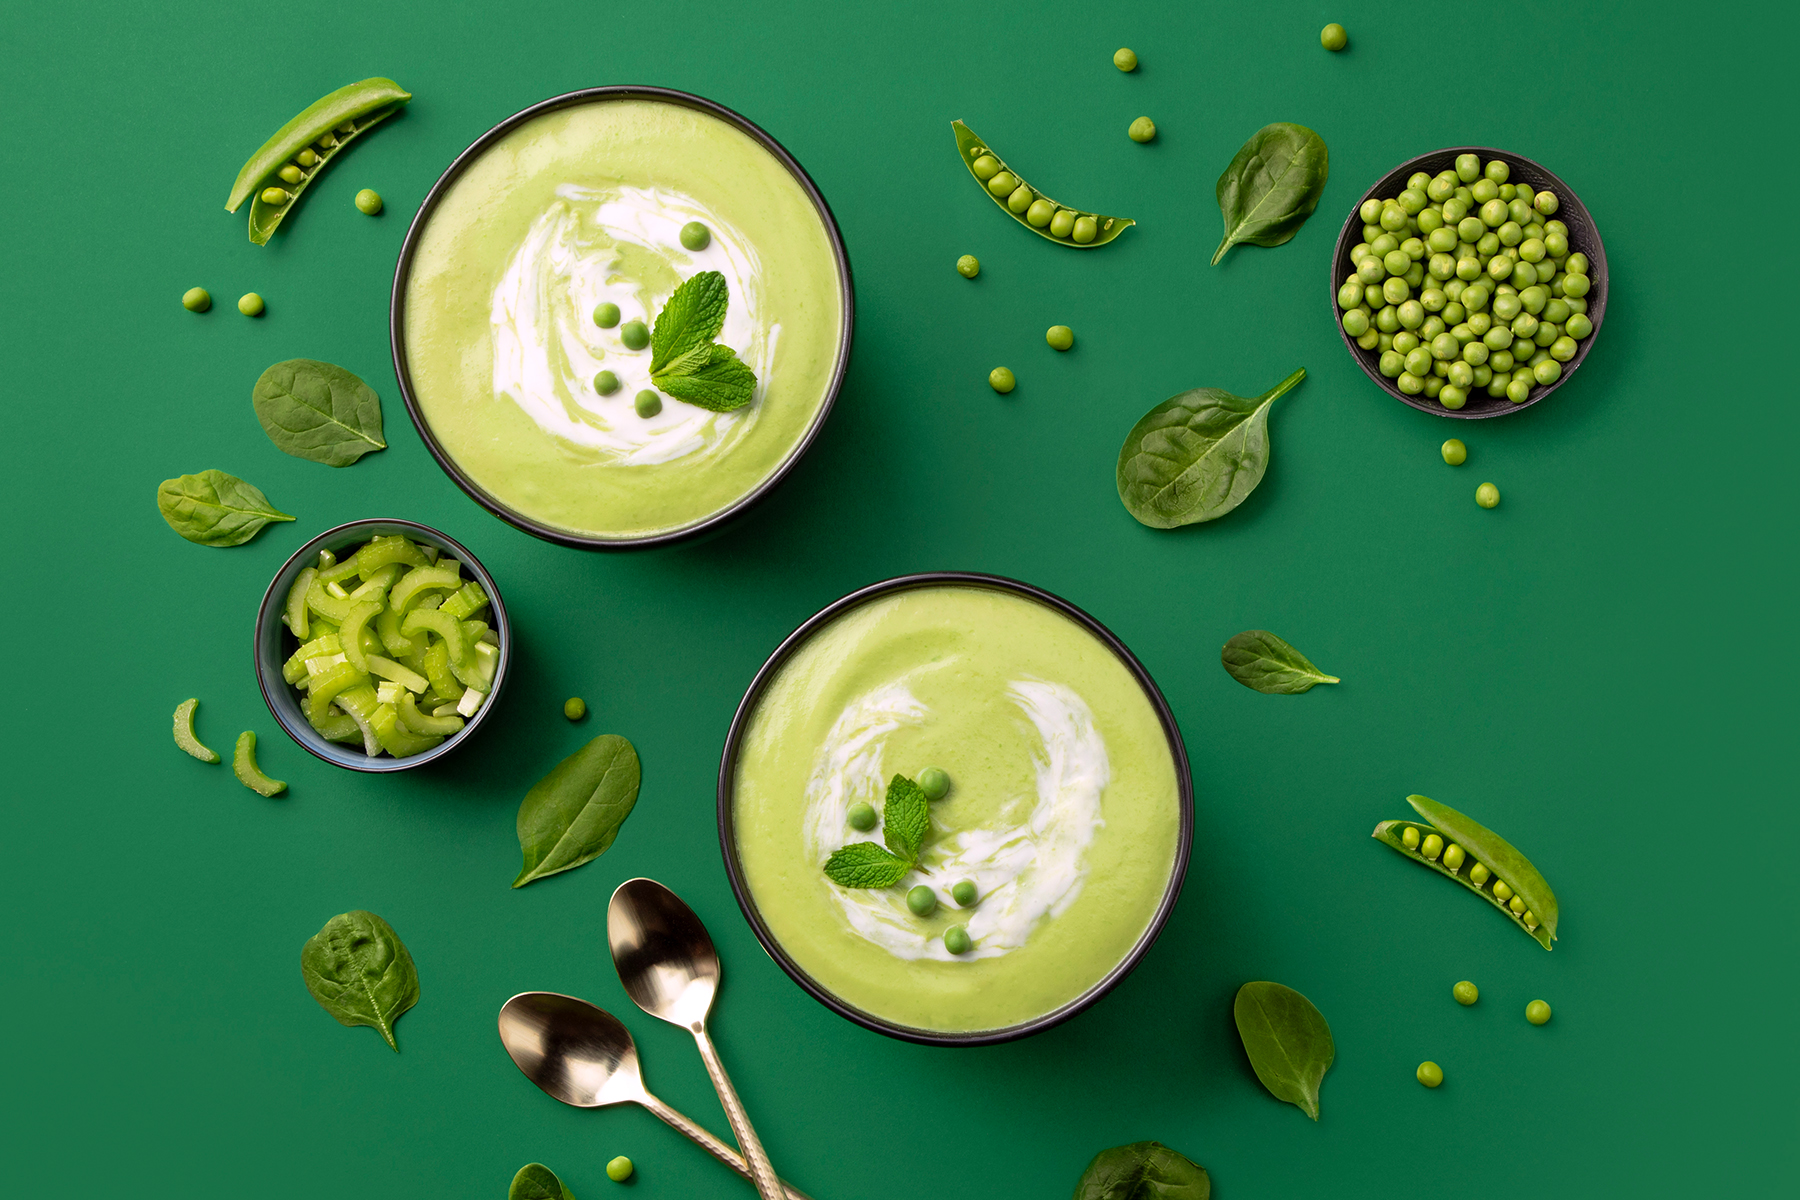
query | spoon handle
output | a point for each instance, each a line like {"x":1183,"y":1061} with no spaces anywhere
{"x":761,"y":1173}
{"x":712,"y":1145}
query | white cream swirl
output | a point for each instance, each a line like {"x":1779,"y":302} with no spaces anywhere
{"x":621,"y":245}
{"x":1028,"y":864}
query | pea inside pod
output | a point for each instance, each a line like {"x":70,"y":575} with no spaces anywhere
{"x":1059,"y":223}
{"x":303,"y":147}
{"x":1481,"y":860}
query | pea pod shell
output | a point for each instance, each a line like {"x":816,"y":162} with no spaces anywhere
{"x":361,"y":105}
{"x":1488,"y":848}
{"x":970,"y":147}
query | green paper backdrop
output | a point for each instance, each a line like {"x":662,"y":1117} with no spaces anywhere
{"x":1601,"y":668}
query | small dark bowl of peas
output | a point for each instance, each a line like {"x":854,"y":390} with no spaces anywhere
{"x":1469,"y":282}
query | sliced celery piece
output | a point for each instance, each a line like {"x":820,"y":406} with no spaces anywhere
{"x":184,"y":732}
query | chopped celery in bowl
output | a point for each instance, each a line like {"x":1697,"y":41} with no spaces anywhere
{"x":381,"y":644}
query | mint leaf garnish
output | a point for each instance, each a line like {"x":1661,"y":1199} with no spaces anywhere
{"x":866,"y":865}
{"x":906,"y":818}
{"x":685,"y":362}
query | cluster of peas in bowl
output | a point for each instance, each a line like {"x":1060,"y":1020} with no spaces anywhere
{"x":1466,"y":281}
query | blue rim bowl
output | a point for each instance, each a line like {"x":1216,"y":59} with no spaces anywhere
{"x":272,"y":649}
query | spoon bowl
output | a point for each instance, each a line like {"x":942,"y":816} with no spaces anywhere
{"x":665,"y":958}
{"x":579,"y":1054}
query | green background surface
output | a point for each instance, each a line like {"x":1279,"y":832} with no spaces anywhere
{"x":1601,"y":668}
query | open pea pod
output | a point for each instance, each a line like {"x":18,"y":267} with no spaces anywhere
{"x":1481,"y":860}
{"x":1037,"y":212}
{"x":289,"y":161}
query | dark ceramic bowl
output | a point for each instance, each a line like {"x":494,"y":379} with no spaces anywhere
{"x":1583,"y":237}
{"x":397,"y":317}
{"x":735,"y":872}
{"x":274,"y":644}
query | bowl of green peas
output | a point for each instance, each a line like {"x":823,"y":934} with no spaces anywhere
{"x":1469,"y":282}
{"x":381,"y":645}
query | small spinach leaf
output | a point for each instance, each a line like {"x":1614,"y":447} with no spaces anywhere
{"x":535,"y":1181}
{"x":1143,"y":1171}
{"x":318,"y":411}
{"x":1272,"y":186}
{"x":1288,"y":1042}
{"x":360,"y":972}
{"x":866,"y":865}
{"x":215,"y":509}
{"x":1196,"y":456}
{"x":573,"y":814}
{"x":1264,"y":663}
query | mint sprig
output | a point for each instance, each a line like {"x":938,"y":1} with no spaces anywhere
{"x":905,"y":820}
{"x":685,"y":362}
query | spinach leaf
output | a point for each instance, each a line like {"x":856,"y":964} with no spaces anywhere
{"x":866,"y":865}
{"x":573,"y":814}
{"x":1272,"y":186}
{"x":1196,"y":456}
{"x":318,"y":411}
{"x":215,"y":509}
{"x":535,"y":1181}
{"x":360,"y":972}
{"x":1288,"y":1042}
{"x":1143,"y":1171}
{"x":1264,"y":663}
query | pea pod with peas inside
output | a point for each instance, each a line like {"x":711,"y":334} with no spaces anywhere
{"x":289,"y":161}
{"x":1029,"y":207}
{"x":1478,"y":858}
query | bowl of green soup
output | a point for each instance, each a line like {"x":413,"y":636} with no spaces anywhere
{"x":955,"y":809}
{"x":621,"y":317}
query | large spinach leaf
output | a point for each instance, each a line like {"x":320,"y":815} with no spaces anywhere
{"x":573,"y":814}
{"x":318,"y":411}
{"x":1143,"y":1171}
{"x":1272,"y":185}
{"x":1196,"y":456}
{"x":1263,"y":662}
{"x":215,"y":509}
{"x":1288,"y":1042}
{"x":535,"y":1181}
{"x":360,"y":972}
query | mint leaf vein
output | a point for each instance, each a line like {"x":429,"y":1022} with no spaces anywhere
{"x":685,"y":362}
{"x":866,"y":865}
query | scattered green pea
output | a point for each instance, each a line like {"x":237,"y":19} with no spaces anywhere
{"x":606,"y":383}
{"x":968,"y":266}
{"x":619,"y":1169}
{"x":1124,"y":59}
{"x":1466,"y":993}
{"x":861,"y":816}
{"x":1060,"y":337}
{"x":574,"y":708}
{"x":1487,"y":495}
{"x":368,"y":201}
{"x":1537,"y":1012}
{"x":647,"y":404}
{"x":1430,"y":1074}
{"x":635,"y":335}
{"x":956,"y":941}
{"x":250,"y":304}
{"x":606,"y":314}
{"x":1001,"y":380}
{"x":291,"y":174}
{"x":1141,"y":130}
{"x":1333,"y":37}
{"x":275,"y":196}
{"x":695,"y":236}
{"x":196,"y":299}
{"x":934,"y":783}
{"x":1455,"y":453}
{"x":922,"y":901}
{"x":964,"y":894}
